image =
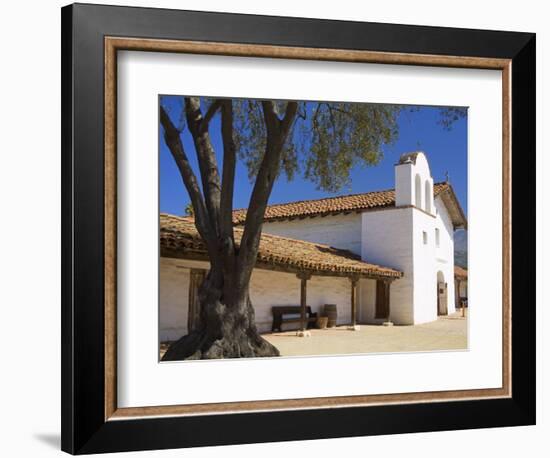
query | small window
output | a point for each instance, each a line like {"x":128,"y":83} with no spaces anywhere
{"x":437,"y":237}
{"x":425,"y":237}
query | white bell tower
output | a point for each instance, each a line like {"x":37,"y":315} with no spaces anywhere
{"x":414,"y":183}
{"x":404,"y":237}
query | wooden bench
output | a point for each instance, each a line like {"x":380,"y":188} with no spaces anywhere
{"x":295,"y":311}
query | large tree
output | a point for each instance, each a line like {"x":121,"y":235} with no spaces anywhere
{"x":322,"y":140}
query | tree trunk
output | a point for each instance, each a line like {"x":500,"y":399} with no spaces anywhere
{"x":227,"y":327}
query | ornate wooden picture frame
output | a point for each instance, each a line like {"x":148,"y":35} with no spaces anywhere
{"x":92,"y":36}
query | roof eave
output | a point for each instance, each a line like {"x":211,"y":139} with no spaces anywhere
{"x":449,"y":199}
{"x":201,"y":255}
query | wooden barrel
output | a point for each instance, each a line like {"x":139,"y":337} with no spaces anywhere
{"x":322,"y":322}
{"x":332,"y":314}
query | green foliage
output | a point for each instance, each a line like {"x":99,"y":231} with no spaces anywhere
{"x":250,"y":137}
{"x":345,"y":135}
{"x":189,"y":210}
{"x":327,"y":139}
{"x":449,"y":115}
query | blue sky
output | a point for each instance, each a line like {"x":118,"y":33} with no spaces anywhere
{"x":418,"y":130}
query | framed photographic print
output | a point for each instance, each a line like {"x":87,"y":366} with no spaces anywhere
{"x":271,"y":222}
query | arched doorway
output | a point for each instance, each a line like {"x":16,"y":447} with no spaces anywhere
{"x":441,"y":294}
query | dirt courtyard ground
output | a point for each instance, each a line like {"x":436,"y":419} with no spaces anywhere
{"x":447,"y":333}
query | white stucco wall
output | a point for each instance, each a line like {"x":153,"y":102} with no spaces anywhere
{"x":404,"y":189}
{"x":395,"y":238}
{"x":173,"y":297}
{"x":408,"y":191}
{"x":367,"y":302}
{"x":405,"y":238}
{"x":341,"y":231}
{"x":425,"y":275}
{"x":444,"y":254}
{"x":387,"y":240}
{"x":267,"y":288}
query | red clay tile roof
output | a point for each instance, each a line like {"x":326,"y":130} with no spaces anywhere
{"x":342,"y":204}
{"x":460,"y":273}
{"x":179,"y":238}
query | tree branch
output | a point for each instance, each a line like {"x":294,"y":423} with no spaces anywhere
{"x":277,"y":132}
{"x":314,"y":117}
{"x":290,"y":115}
{"x":270,"y":117}
{"x":331,"y":115}
{"x":207,"y":160}
{"x":228,"y":178}
{"x":173,"y":141}
{"x":212,"y":110}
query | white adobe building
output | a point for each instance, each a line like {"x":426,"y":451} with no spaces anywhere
{"x":384,"y":256}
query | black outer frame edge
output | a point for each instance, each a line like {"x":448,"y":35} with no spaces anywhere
{"x":83,"y":427}
{"x":174,"y":432}
{"x":304,"y":32}
{"x":67,"y":413}
{"x":524,"y":228}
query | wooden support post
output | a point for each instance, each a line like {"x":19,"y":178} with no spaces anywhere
{"x":457,"y":293}
{"x":462,"y":311}
{"x":303,"y":303}
{"x":387,"y":284}
{"x":353,"y":299}
{"x":304,"y":277}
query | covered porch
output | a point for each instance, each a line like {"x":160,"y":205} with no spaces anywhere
{"x":288,"y":272}
{"x":461,"y":288}
{"x":382,"y":304}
